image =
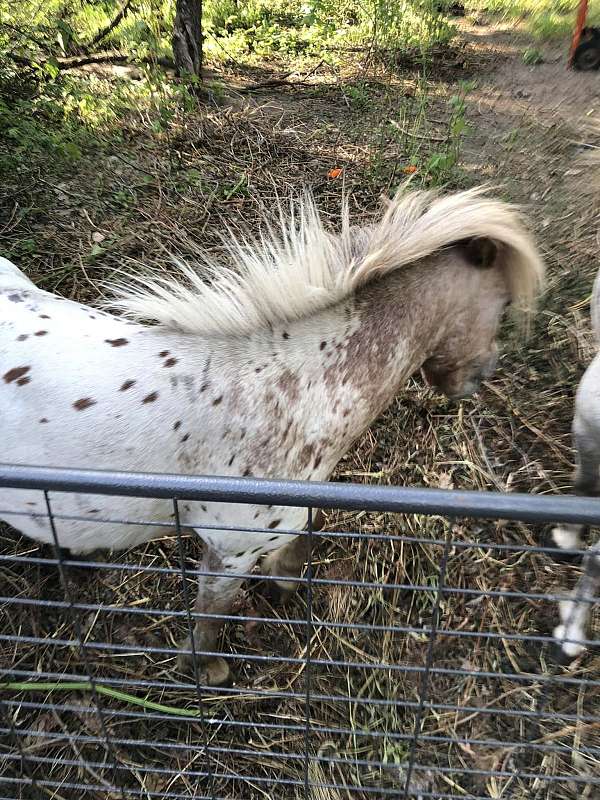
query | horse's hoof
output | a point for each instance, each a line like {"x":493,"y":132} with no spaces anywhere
{"x":213,"y":671}
{"x":552,"y":538}
{"x":557,"y":654}
{"x":217,"y":672}
{"x":279,"y":593}
{"x":562,"y":652}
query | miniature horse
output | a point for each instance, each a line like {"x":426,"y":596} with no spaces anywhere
{"x":271,"y":368}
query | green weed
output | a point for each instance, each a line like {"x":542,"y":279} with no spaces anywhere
{"x":532,"y":56}
{"x":357,"y":96}
{"x":432,"y":158}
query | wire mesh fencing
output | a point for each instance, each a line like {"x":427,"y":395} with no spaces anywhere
{"x":414,"y":661}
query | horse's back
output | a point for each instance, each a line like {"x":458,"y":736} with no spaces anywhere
{"x":63,"y":367}
{"x":83,"y":389}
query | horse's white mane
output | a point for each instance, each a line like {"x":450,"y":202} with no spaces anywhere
{"x":302,"y":267}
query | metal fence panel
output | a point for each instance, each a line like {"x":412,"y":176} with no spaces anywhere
{"x":413,"y":663}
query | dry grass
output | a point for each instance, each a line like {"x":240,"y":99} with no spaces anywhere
{"x":515,"y":436}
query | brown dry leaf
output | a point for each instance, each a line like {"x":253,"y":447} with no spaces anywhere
{"x":45,"y":722}
{"x":444,"y":481}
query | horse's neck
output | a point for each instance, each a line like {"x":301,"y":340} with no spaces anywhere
{"x":321,"y":381}
{"x":384,"y":333}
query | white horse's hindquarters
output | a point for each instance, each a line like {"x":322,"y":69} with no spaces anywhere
{"x":11,"y":277}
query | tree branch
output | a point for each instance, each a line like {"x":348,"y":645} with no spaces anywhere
{"x":25,"y":34}
{"x":103,"y":33}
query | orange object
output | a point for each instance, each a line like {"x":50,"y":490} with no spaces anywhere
{"x":334,"y":173}
{"x":410,"y":170}
{"x":579,"y":26}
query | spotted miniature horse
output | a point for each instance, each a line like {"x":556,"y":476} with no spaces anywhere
{"x":270,"y":366}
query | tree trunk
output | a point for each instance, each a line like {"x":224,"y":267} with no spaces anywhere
{"x":187,"y":37}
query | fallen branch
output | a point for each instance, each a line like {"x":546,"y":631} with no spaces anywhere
{"x":282,"y":80}
{"x":72,"y":62}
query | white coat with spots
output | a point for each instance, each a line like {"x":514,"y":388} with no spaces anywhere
{"x":273,"y":369}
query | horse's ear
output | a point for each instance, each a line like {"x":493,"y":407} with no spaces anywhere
{"x":481,"y":252}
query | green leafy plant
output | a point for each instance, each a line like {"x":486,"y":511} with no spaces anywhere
{"x":532,"y":56}
{"x":442,"y":162}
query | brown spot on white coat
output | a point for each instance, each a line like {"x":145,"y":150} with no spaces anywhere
{"x":83,"y":403}
{"x":15,"y":373}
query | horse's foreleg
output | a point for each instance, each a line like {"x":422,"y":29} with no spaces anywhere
{"x":289,"y":560}
{"x":575,"y":613}
{"x":215,"y":596}
{"x":569,"y":536}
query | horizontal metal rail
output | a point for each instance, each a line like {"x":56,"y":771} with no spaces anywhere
{"x":354,"y":497}
{"x":366,"y":627}
{"x":149,"y":795}
{"x":588,"y":780}
{"x":258,"y":694}
{"x":301,"y":580}
{"x":393,"y":702}
{"x":367,"y":536}
{"x":566,"y":750}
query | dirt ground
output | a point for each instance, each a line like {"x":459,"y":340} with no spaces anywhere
{"x":530,"y":127}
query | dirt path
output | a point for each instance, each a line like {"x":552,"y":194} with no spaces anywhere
{"x":547,"y":91}
{"x":531,"y":127}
